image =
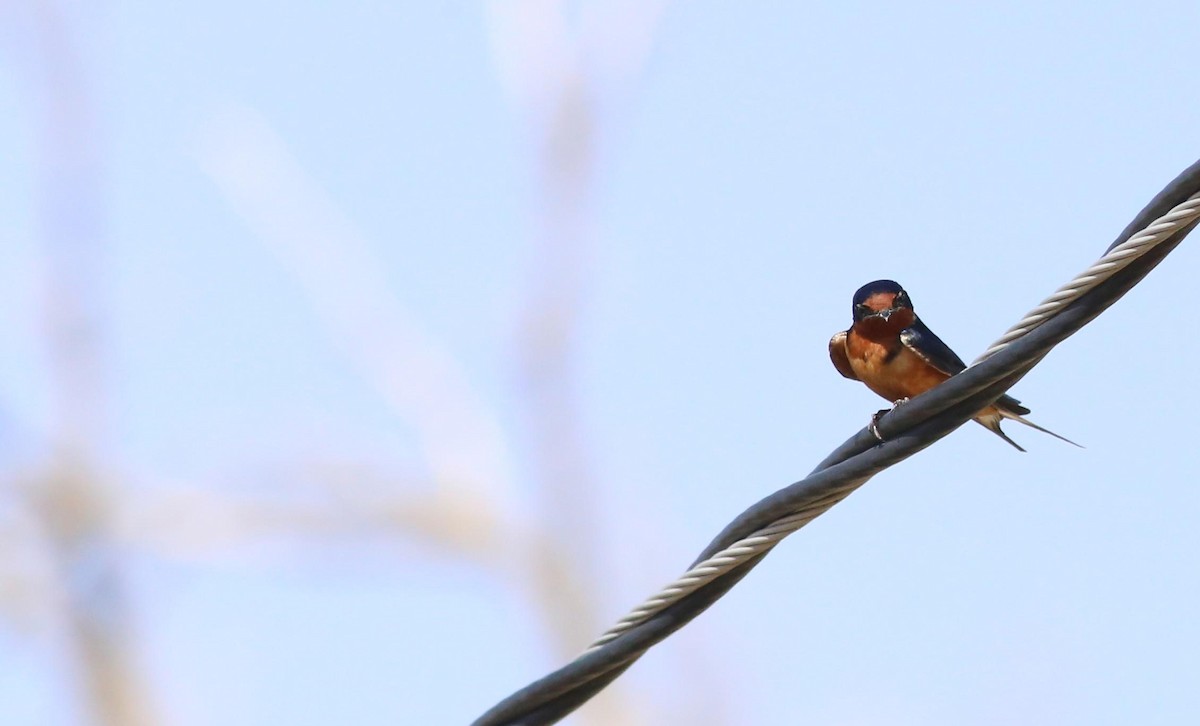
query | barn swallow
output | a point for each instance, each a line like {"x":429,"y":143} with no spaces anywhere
{"x":897,"y":356}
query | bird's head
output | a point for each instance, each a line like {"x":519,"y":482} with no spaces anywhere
{"x":881,"y":301}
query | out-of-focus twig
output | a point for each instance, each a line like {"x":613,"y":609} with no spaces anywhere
{"x":564,"y":77}
{"x":461,"y":440}
{"x":70,"y":499}
{"x":71,"y":225}
{"x":199,"y":525}
{"x":82,"y":520}
{"x":196,"y":523}
{"x":463,"y":445}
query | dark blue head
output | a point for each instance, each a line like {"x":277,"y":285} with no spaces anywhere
{"x":881,"y":298}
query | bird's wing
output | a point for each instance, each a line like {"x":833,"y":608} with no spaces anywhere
{"x":921,"y":340}
{"x":837,"y":353}
{"x":1008,"y":404}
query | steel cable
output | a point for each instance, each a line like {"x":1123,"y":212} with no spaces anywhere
{"x":1159,"y":228}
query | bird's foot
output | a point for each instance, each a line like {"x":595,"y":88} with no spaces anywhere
{"x":873,"y":427}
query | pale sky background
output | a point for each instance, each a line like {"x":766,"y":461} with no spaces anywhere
{"x":755,"y":163}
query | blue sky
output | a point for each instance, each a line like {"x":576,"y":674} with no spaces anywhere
{"x":751,"y":169}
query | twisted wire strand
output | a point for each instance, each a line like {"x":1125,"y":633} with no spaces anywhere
{"x":765,"y":539}
{"x":908,"y":429}
{"x":1114,"y":260}
{"x":722,"y":562}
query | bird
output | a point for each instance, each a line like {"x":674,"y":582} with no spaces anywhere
{"x":898,"y":357}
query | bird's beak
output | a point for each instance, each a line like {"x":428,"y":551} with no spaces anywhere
{"x":885,"y":314}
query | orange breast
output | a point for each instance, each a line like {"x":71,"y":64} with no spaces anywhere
{"x":889,"y":368}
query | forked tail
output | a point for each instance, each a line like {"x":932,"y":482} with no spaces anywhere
{"x":1021,"y":419}
{"x":992,"y":423}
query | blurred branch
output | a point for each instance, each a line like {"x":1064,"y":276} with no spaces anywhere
{"x":82,"y":522}
{"x":191,"y":523}
{"x":556,"y":71}
{"x":197,"y":524}
{"x":561,"y":75}
{"x":462,"y":442}
{"x":73,"y":509}
{"x":251,"y":165}
{"x":70,"y":500}
{"x":70,"y":204}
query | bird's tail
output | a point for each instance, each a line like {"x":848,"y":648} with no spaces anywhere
{"x":1021,"y":419}
{"x":992,"y":423}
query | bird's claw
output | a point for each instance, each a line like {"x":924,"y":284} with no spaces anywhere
{"x":873,"y":427}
